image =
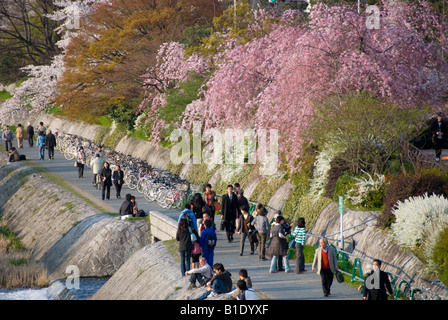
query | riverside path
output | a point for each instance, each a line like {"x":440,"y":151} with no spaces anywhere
{"x":281,"y":285}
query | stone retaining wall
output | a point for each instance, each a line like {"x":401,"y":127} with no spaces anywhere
{"x":61,"y":229}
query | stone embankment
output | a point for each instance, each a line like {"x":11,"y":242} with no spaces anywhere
{"x":61,"y":229}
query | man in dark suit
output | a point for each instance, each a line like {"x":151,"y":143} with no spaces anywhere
{"x":118,"y":180}
{"x":230,"y":211}
{"x":377,"y":282}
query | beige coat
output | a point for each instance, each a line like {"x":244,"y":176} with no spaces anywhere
{"x":317,"y":261}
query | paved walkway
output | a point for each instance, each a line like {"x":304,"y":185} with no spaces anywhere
{"x":281,"y":285}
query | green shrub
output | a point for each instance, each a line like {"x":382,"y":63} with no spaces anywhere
{"x":440,"y":256}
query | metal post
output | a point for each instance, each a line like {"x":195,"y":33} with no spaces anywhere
{"x":341,"y":214}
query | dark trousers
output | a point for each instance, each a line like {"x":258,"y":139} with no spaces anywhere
{"x":50,"y":152}
{"x":118,"y":188}
{"x":8,"y":145}
{"x":261,"y":245}
{"x":327,"y":280}
{"x":438,"y":146}
{"x":244,"y":235}
{"x":30,"y":141}
{"x":80,"y":170}
{"x":105,"y":191}
{"x":300,"y":258}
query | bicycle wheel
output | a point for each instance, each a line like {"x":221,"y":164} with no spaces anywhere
{"x":162,"y":195}
{"x":70,"y":153}
{"x":141,"y":184}
{"x":179,"y":200}
{"x":132,"y":181}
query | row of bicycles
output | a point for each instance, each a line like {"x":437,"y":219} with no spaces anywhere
{"x":156,"y":185}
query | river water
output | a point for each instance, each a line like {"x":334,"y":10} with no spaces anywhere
{"x":87,"y":288}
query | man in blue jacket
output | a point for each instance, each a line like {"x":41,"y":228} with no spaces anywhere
{"x":208,"y":242}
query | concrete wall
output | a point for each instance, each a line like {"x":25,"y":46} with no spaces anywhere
{"x":162,"y":227}
{"x":61,"y":229}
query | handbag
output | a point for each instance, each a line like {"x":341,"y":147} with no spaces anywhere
{"x":76,"y":164}
{"x":339,"y":277}
{"x":196,"y":248}
{"x":217,"y":206}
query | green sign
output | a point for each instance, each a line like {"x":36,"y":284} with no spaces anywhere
{"x":341,"y":205}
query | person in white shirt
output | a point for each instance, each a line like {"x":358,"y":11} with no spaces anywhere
{"x":201,"y":274}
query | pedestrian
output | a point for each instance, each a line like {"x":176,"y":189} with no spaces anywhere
{"x":244,"y":228}
{"x":230,"y":211}
{"x":19,"y":136}
{"x":299,"y":235}
{"x":118,"y":180}
{"x":196,"y":251}
{"x":208,"y":242}
{"x":206,"y":216}
{"x":81,"y":161}
{"x":196,"y":206}
{"x":41,"y":145}
{"x":188,"y":215}
{"x":97,"y":164}
{"x":30,"y":134}
{"x":242,"y":200}
{"x":278,"y":247}
{"x":209,"y":197}
{"x":7,"y":138}
{"x":202,"y":274}
{"x":42,"y":128}
{"x":326,"y":264}
{"x":261,"y":224}
{"x":106,"y":181}
{"x":50,"y":144}
{"x":439,"y":130}
{"x":185,"y":245}
{"x":377,"y":281}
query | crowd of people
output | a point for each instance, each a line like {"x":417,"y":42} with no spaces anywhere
{"x":197,"y":234}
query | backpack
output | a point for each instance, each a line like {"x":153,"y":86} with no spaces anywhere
{"x":141,"y":213}
{"x":210,"y":243}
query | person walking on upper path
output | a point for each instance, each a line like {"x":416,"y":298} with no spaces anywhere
{"x":106,"y":181}
{"x":208,"y":242}
{"x":7,"y":138}
{"x":19,"y":136}
{"x":326,"y":264}
{"x":41,"y":145}
{"x":118,"y":180}
{"x":97,"y":165}
{"x":230,"y":211}
{"x":80,"y":162}
{"x":50,"y":144}
{"x":30,"y":134}
{"x":439,"y":131}
{"x":299,"y":235}
{"x":279,"y":245}
{"x":244,"y":228}
{"x":209,"y":197}
{"x":261,"y":224}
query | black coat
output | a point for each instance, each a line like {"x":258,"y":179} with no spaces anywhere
{"x":50,"y":140}
{"x":378,"y":294}
{"x":230,"y":210}
{"x":435,"y":128}
{"x":126,"y":208}
{"x":184,"y":239}
{"x":106,"y":173}
{"x":115,"y":177}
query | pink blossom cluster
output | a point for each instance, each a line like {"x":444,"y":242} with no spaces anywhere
{"x":275,"y":81}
